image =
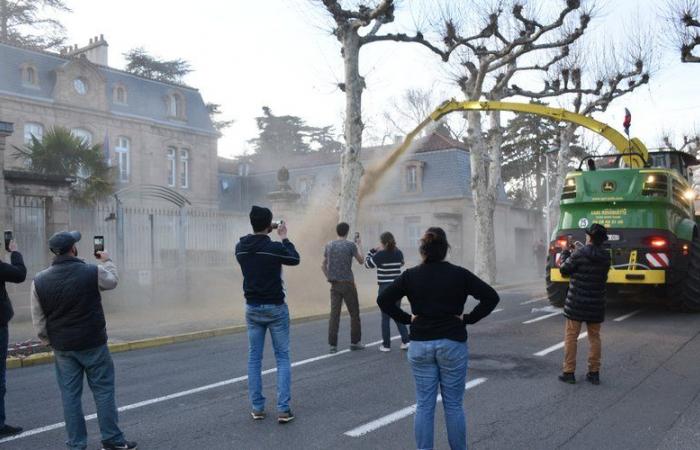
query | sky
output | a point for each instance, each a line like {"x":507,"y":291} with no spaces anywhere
{"x":280,"y":54}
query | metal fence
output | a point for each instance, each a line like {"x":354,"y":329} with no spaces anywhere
{"x":29,"y":228}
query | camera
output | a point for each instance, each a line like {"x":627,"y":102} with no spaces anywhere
{"x":8,"y":238}
{"x":99,"y":244}
{"x":276,"y":224}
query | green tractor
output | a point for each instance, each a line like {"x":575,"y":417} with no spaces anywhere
{"x":650,"y":215}
{"x":646,"y":201}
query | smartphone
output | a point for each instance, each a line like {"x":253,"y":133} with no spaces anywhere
{"x":99,"y":243}
{"x":277,"y":224}
{"x":357,"y":236}
{"x":8,"y":238}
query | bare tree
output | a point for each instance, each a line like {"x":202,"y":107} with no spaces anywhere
{"x":503,"y":41}
{"x":413,"y":106}
{"x":588,"y":86}
{"x":355,"y":28}
{"x":685,"y":24}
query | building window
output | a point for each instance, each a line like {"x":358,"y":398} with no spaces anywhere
{"x":33,"y":129}
{"x":184,"y":168}
{"x":413,"y":177}
{"x":122,"y":150}
{"x":171,"y":166}
{"x":413,"y":231}
{"x":83,"y":135}
{"x":29,"y":76}
{"x":120,"y":95}
{"x":176,"y":106}
{"x":304,"y":186}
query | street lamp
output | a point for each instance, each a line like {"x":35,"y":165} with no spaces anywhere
{"x":547,"y":215}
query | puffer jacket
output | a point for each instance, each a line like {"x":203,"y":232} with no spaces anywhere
{"x":588,"y":268}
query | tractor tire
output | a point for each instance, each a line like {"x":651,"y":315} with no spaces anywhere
{"x":690,"y":298}
{"x":556,"y":292}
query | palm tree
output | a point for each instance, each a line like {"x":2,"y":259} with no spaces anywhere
{"x":62,"y":153}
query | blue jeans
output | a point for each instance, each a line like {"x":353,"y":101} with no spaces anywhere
{"x":260,"y":318}
{"x":386,"y":332}
{"x":439,"y":363}
{"x":95,"y":363}
{"x":4,"y":341}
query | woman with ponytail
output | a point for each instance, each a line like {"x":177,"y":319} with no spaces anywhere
{"x":388,"y":260}
{"x":437,"y":292}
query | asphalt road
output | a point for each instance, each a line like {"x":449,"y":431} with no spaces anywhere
{"x":193,"y":395}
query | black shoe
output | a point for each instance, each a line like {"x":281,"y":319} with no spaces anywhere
{"x":9,"y":430}
{"x":124,"y":446}
{"x":285,"y":417}
{"x":593,"y":378}
{"x":567,"y":377}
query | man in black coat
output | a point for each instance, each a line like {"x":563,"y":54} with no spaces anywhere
{"x":585,"y":301}
{"x":14,"y":272}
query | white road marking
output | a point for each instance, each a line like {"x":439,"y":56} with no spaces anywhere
{"x":197,"y":390}
{"x":546,"y":316}
{"x":400,"y":414}
{"x":497,"y":310}
{"x":555,"y":347}
{"x":534,"y":300}
{"x":627,"y":316}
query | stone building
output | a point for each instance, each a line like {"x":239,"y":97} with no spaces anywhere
{"x":429,"y":187}
{"x":152,"y":132}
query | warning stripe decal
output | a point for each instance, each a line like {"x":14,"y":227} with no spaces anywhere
{"x":658,"y":260}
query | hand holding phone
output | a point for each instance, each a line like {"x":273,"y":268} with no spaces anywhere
{"x":99,"y":244}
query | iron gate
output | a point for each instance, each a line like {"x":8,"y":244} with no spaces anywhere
{"x":29,"y":217}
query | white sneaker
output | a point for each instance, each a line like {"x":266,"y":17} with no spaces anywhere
{"x":405,"y":345}
{"x":384,"y":349}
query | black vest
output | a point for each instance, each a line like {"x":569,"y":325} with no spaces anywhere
{"x":69,"y":295}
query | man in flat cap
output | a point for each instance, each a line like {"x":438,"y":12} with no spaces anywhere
{"x":67,"y":314}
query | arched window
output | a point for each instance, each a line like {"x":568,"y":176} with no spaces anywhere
{"x":176,"y":105}
{"x":184,"y":168}
{"x":122,"y":150}
{"x":82,"y":134}
{"x":33,"y":129}
{"x":119,"y":96}
{"x":29,"y":75}
{"x":171,"y":155}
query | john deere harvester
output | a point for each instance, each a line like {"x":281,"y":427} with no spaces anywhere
{"x":646,"y":201}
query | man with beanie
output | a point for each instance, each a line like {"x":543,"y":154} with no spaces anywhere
{"x":585,"y":302}
{"x":67,"y":314}
{"x":261,"y":262}
{"x":14,"y":272}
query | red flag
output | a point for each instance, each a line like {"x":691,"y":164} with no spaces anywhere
{"x":628,"y":121}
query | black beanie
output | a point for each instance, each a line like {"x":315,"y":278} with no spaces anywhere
{"x":260,"y":218}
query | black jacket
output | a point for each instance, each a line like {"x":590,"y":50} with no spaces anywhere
{"x":588,"y":268}
{"x":261,"y":261}
{"x":437,"y":293}
{"x":69,"y":296}
{"x":15,"y":272}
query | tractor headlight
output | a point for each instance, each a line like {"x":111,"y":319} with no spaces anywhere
{"x":570,"y":182}
{"x":690,"y":194}
{"x":651,"y":179}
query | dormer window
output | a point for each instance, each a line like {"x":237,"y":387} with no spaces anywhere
{"x":413,"y":177}
{"x":29,"y":76}
{"x":175,"y":103}
{"x":119,"y":95}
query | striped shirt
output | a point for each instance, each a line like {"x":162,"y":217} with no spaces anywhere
{"x":388,"y":264}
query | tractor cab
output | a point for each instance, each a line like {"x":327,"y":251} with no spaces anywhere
{"x":680,"y":162}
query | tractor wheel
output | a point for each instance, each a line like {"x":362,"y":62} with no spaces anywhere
{"x":556,"y":292}
{"x":691,"y":284}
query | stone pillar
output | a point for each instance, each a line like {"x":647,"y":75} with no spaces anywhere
{"x":6,"y":129}
{"x":283,"y":200}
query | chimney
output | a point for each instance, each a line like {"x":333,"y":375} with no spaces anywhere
{"x":96,"y":51}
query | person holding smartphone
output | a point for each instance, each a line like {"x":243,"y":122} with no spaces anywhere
{"x":12,"y":272}
{"x":67,"y":314}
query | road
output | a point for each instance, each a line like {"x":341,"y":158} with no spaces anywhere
{"x":193,"y":395}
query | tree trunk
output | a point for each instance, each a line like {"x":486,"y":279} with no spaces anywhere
{"x":484,"y":202}
{"x":566,"y":136}
{"x":351,"y":169}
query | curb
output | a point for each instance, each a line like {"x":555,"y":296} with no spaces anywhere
{"x":36,"y":359}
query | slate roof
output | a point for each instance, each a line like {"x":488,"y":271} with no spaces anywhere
{"x":144,"y":96}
